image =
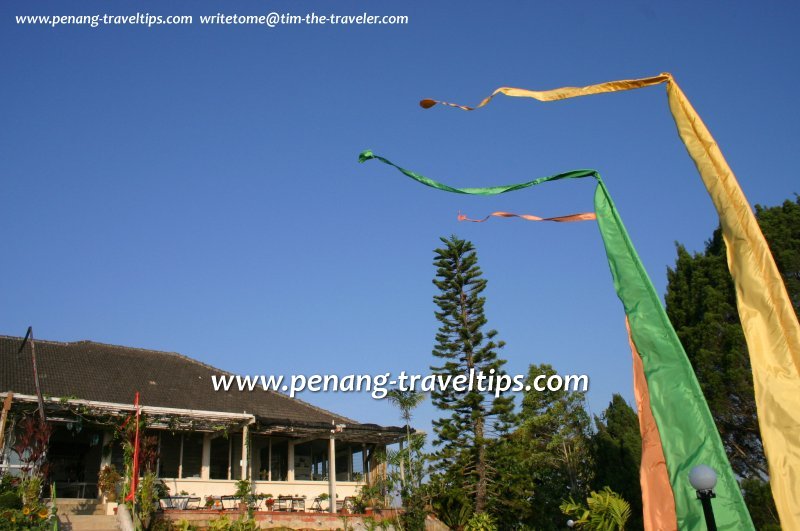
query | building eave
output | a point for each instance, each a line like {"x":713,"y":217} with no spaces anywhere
{"x":201,"y":420}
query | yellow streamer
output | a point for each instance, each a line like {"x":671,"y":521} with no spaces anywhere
{"x":770,"y":325}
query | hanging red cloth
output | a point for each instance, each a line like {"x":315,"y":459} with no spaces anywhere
{"x":135,"y":471}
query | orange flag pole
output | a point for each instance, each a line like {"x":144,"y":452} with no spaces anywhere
{"x":135,"y":469}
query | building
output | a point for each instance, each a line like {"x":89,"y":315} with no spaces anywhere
{"x":206,"y":440}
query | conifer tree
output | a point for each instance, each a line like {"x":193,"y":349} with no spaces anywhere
{"x":617,"y":455}
{"x":701,"y":303}
{"x":473,"y":417}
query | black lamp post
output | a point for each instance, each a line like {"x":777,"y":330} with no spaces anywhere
{"x":704,"y":478}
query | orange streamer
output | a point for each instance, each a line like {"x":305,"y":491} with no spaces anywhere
{"x":658,"y":502}
{"x":584,"y":216}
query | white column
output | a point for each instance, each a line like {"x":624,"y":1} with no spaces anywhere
{"x":245,"y":447}
{"x":105,"y":458}
{"x":332,"y":473}
{"x":180,"y":458}
{"x":349,"y":462}
{"x":269,"y":464}
{"x":290,"y":470}
{"x":205,"y":470}
{"x":230,"y":458}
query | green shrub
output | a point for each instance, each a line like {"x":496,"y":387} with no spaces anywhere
{"x":30,"y":489}
{"x":27,"y":518}
{"x":151,"y":489}
{"x":184,"y":525}
{"x":10,"y":500}
{"x":481,"y":522}
{"x":9,"y":483}
{"x":225,"y":524}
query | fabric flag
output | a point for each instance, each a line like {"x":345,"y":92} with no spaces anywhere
{"x":135,"y":468}
{"x":658,"y":503}
{"x":688,"y":434}
{"x":770,"y":324}
{"x":584,"y":216}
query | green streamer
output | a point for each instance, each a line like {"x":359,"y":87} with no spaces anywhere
{"x":688,"y":434}
{"x":490,"y":190}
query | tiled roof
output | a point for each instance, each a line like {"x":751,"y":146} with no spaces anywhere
{"x":110,"y":373}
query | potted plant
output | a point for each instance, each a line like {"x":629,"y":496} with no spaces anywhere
{"x":244,"y":491}
{"x":368,"y":500}
{"x":268,"y":501}
{"x":107,"y":480}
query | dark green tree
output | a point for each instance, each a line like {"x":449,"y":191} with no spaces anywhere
{"x":512,"y":499}
{"x":781,"y":227}
{"x":617,"y":454}
{"x":758,"y":497}
{"x":473,"y":418}
{"x":555,"y":446}
{"x":701,"y":303}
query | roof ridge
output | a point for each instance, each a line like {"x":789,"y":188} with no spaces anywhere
{"x":113,"y":345}
{"x":20,"y":338}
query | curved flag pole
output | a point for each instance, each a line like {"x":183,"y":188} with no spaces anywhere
{"x":770,"y":324}
{"x":687,"y":432}
{"x":135,"y":467}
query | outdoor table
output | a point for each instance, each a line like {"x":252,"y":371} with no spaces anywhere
{"x":193,"y":503}
{"x":255,"y":503}
{"x":174,"y":502}
{"x":230,"y":502}
{"x":345,"y":505}
{"x":291,"y":503}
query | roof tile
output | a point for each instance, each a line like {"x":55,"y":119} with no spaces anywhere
{"x":110,"y":373}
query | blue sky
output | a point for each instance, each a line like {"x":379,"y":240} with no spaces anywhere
{"x":195,"y":189}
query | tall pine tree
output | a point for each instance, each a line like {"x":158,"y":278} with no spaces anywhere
{"x":474,"y":418}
